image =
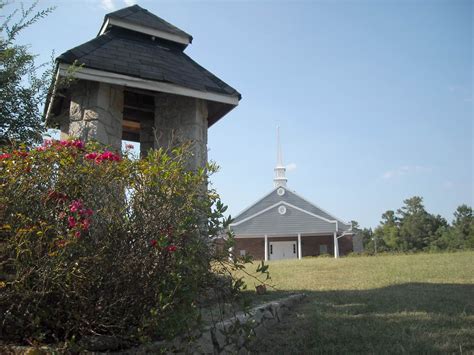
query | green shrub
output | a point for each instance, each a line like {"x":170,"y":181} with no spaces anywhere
{"x":96,"y":243}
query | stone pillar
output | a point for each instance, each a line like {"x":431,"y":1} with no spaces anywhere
{"x":96,"y":112}
{"x":180,"y":119}
{"x":147,"y":137}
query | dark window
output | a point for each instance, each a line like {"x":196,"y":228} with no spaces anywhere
{"x":271,"y":249}
{"x":138,"y":110}
{"x":294,"y":248}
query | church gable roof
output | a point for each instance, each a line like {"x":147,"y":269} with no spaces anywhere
{"x":291,"y":199}
{"x":272,"y":221}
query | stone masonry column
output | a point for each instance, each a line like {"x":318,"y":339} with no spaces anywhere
{"x":147,"y":138}
{"x":179,"y":119}
{"x":96,"y":112}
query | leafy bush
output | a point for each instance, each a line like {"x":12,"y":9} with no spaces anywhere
{"x":93,"y":242}
{"x":22,"y":88}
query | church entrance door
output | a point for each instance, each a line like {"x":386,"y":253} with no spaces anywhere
{"x":283,"y":250}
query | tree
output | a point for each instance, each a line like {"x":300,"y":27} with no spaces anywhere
{"x":462,"y":232}
{"x":438,"y":226}
{"x":416,"y":225}
{"x":463,"y":220}
{"x":386,"y":236}
{"x":22,"y":89}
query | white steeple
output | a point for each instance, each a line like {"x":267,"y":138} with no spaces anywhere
{"x":280,"y":178}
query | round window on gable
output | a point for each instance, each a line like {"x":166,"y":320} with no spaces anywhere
{"x":282,"y":210}
{"x":281,"y":191}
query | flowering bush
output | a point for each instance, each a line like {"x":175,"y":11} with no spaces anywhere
{"x":92,"y":242}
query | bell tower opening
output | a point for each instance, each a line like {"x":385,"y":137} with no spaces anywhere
{"x":138,"y":119}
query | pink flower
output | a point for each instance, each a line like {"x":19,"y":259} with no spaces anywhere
{"x":78,"y":144}
{"x":86,"y":224}
{"x":171,"y":248}
{"x":41,"y":149}
{"x":75,"y":206}
{"x":62,"y":214}
{"x":91,"y":156}
{"x":74,"y":143}
{"x":71,"y":222}
{"x":108,"y":155}
{"x":5,"y":156}
{"x":153,"y":243}
{"x":77,"y":234}
{"x":47,"y":142}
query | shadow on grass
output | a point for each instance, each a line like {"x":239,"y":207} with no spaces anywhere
{"x":404,"y":318}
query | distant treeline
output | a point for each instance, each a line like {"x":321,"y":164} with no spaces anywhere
{"x":412,"y":228}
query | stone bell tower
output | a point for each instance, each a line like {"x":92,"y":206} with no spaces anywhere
{"x":134,"y":82}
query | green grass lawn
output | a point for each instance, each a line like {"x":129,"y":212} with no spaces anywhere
{"x":421,"y":303}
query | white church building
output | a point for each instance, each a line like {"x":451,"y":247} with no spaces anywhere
{"x":284,"y":225}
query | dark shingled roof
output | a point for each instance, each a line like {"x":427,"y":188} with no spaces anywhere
{"x":130,"y":53}
{"x":140,"y":16}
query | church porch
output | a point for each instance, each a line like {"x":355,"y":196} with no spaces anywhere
{"x":309,"y":245}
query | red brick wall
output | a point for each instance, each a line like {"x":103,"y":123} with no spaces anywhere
{"x":309,"y":244}
{"x":252,"y":246}
{"x":345,"y":245}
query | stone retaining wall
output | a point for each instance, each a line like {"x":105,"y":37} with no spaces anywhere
{"x":234,"y":335}
{"x":259,"y":320}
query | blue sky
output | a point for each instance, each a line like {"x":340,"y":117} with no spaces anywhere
{"x":374,"y":98}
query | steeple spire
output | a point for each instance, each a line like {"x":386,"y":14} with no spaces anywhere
{"x":280,"y":170}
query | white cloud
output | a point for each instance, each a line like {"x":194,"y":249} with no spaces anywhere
{"x":129,"y":2}
{"x":291,"y":167}
{"x":405,"y":170}
{"x":108,"y":5}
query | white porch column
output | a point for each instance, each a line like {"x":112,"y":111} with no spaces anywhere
{"x":266,"y":248}
{"x":336,"y":246}
{"x":300,"y":252}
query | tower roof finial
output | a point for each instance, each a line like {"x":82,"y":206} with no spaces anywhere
{"x":280,"y":170}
